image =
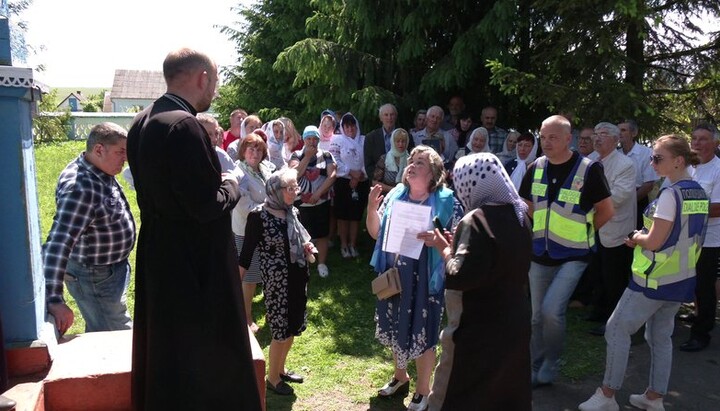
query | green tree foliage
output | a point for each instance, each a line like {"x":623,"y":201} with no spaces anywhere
{"x":614,"y":59}
{"x":600,"y":59}
{"x":94,"y":102}
{"x":268,"y":27}
{"x":49,"y":126}
{"x":360,"y":54}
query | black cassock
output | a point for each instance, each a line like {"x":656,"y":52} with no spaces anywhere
{"x":190,"y":342}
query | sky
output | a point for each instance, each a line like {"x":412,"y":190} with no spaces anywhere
{"x":82,"y":42}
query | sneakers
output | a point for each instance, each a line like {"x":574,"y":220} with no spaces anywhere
{"x":599,"y":402}
{"x":354,"y":252}
{"x":645,"y":403}
{"x":345,"y":251}
{"x":323,"y":270}
{"x":418,"y":403}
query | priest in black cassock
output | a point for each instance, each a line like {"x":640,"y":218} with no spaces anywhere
{"x":190,"y":340}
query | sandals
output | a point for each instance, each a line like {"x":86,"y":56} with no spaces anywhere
{"x":393,"y":387}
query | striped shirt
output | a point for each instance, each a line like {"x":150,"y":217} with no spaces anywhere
{"x":93,"y":224}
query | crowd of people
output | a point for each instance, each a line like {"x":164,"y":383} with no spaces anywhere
{"x":525,"y":224}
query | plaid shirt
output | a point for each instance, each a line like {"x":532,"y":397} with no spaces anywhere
{"x":93,"y":224}
{"x":496,"y":139}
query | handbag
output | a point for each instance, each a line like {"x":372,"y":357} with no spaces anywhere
{"x":387,"y":284}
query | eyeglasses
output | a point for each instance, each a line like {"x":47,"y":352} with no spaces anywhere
{"x":293,"y":189}
{"x":656,"y":159}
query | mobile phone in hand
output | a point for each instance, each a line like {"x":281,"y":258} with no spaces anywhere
{"x":438,"y":225}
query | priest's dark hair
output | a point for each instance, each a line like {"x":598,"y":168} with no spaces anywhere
{"x":184,"y":61}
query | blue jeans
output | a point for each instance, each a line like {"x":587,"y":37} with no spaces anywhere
{"x":550,"y":291}
{"x":634,"y":310}
{"x":100,"y":292}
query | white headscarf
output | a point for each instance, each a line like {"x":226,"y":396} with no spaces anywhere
{"x":275,"y":143}
{"x":519,"y":172}
{"x":481,"y":179}
{"x":484,"y":131}
{"x":506,"y":155}
{"x":393,"y":154}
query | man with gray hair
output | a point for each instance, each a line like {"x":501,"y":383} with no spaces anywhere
{"x":645,"y":176}
{"x":496,"y":135}
{"x":613,"y":258}
{"x":92,"y":234}
{"x":704,"y":141}
{"x":433,"y":121}
{"x":377,"y":142}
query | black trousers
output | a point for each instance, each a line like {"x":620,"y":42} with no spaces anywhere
{"x":707,"y":271}
{"x":613,"y":274}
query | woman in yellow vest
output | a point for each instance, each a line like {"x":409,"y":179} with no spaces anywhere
{"x":663,"y":276}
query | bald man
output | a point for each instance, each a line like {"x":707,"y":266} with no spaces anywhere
{"x":569,"y":199}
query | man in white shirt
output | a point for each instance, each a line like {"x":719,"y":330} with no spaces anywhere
{"x":705,"y":139}
{"x":645,"y":176}
{"x":613,"y":257}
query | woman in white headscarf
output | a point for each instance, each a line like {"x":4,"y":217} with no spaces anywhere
{"x":351,"y":186}
{"x":486,"y":354}
{"x":526,"y":148}
{"x":508,"y":149}
{"x":275,"y":131}
{"x":248,"y":125}
{"x":390,"y":166}
{"x":476,"y":143}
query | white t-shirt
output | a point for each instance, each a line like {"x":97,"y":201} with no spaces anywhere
{"x":643,"y":169}
{"x":665,"y":208}
{"x":708,"y":176}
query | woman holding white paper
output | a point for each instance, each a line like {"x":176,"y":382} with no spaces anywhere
{"x":409,"y":323}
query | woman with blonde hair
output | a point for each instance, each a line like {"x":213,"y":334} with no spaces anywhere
{"x":409,"y":322}
{"x":390,"y":166}
{"x":663,"y":277}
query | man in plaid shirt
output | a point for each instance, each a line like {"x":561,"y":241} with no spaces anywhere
{"x":92,"y":234}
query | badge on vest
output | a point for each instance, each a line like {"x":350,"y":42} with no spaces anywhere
{"x":569,"y":196}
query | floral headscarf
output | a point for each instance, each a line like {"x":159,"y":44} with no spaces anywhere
{"x":297,"y":235}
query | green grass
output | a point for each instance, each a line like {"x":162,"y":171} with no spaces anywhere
{"x":343,"y":363}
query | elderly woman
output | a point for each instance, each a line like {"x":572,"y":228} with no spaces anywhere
{"x":526,"y":148}
{"x":486,"y":268}
{"x":352,"y":186}
{"x":477,"y":143}
{"x":248,"y":125}
{"x":409,"y":322}
{"x":663,"y":277}
{"x":316,"y":168}
{"x":389,"y":169}
{"x":508,"y":149}
{"x":252,"y":151}
{"x":284,"y":248}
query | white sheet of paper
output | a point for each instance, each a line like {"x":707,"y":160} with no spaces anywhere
{"x":406,"y":221}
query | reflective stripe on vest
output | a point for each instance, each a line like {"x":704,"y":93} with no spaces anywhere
{"x":676,"y":259}
{"x":561,"y":229}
